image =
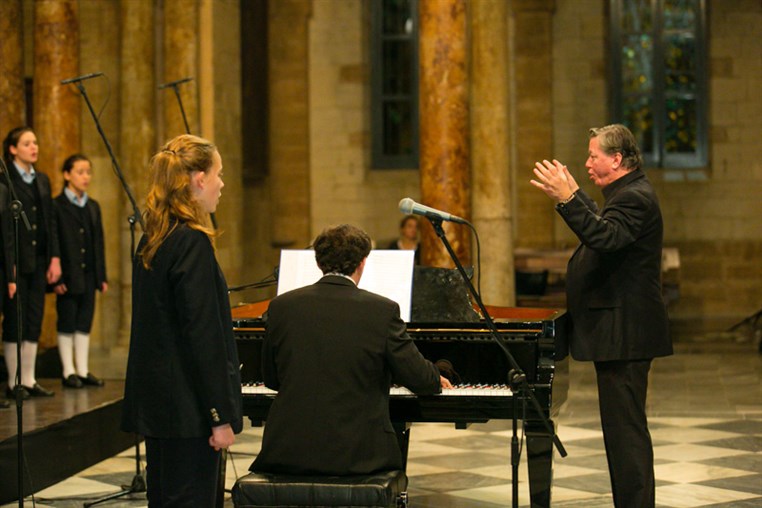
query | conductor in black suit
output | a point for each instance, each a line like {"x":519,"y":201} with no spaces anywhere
{"x":332,"y":351}
{"x":613,"y":289}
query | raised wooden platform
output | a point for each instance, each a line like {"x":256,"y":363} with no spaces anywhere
{"x":62,"y":435}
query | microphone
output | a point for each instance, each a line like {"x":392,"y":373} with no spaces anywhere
{"x":408,"y":206}
{"x":175,"y":83}
{"x":81,"y":78}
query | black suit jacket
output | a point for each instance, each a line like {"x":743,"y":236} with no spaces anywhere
{"x":27,"y":251}
{"x":613,"y":283}
{"x":183,"y":370}
{"x":332,"y":350}
{"x":72,"y":240}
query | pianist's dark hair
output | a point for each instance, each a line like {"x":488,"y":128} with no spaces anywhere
{"x":170,"y":199}
{"x":616,"y":138}
{"x":341,"y":249}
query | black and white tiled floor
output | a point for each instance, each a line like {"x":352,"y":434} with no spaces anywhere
{"x":705,"y":411}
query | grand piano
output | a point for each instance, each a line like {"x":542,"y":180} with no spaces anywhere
{"x":444,"y":325}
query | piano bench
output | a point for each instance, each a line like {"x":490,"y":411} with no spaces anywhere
{"x":381,"y":490}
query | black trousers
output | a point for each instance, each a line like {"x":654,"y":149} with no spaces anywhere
{"x":622,"y":387}
{"x":75,"y":312}
{"x":181,"y":472}
{"x":31,"y":288}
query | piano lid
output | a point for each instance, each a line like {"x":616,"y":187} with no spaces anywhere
{"x":440,"y":295}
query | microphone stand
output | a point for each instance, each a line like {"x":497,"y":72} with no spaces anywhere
{"x":17,"y":209}
{"x":138,"y":482}
{"x":516,"y":377}
{"x":175,"y":85}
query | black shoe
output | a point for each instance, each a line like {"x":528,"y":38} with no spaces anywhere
{"x":91,"y":380}
{"x":72,"y":381}
{"x":38,"y":391}
{"x":11,"y":393}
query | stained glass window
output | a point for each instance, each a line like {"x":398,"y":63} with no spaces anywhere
{"x":394,"y":84}
{"x":658,"y":60}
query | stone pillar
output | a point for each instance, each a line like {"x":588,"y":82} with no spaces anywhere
{"x":12,"y":102}
{"x":137,"y":139}
{"x":490,"y":154}
{"x":180,"y":60}
{"x":444,"y":124}
{"x":56,"y":106}
{"x":288,"y":66}
{"x":219,"y":85}
{"x":533,"y":54}
{"x":99,"y":52}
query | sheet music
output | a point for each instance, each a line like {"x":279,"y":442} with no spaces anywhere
{"x":387,"y":273}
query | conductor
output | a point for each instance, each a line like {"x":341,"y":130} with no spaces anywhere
{"x":332,"y":351}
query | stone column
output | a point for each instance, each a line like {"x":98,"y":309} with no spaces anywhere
{"x":99,"y":52}
{"x":444,"y":146}
{"x":490,"y":154}
{"x":56,"y":106}
{"x":533,"y":53}
{"x":180,"y":60}
{"x":219,"y":85}
{"x":137,"y":138}
{"x":12,"y":102}
{"x":288,"y":61}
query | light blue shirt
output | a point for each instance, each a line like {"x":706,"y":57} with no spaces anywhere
{"x":27,"y":177}
{"x":74,"y":199}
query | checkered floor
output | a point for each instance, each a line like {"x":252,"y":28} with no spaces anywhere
{"x":705,"y":413}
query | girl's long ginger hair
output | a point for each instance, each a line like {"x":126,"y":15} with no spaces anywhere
{"x":170,"y":198}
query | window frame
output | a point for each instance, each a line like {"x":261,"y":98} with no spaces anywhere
{"x":379,"y":159}
{"x":658,"y":158}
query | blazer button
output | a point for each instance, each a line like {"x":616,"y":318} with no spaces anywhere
{"x":82,"y":251}
{"x":34,"y":242}
{"x":83,"y":265}
{"x":34,"y":208}
{"x":81,"y":231}
{"x":34,"y":227}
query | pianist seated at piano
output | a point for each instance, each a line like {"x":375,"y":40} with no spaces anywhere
{"x":332,"y":351}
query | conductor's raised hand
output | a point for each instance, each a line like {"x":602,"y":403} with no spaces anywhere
{"x":554,"y":179}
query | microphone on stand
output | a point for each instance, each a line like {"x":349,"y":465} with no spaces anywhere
{"x":175,"y":83}
{"x":81,"y":78}
{"x":408,"y":206}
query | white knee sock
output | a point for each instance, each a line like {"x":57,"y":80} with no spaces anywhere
{"x":28,"y":361}
{"x":81,"y":352}
{"x":66,"y":352}
{"x":10,"y":349}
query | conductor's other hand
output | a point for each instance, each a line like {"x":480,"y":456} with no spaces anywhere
{"x":222,"y":437}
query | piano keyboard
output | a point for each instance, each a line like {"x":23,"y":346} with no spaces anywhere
{"x":401,"y":391}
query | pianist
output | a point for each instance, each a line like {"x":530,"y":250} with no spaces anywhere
{"x":332,"y":351}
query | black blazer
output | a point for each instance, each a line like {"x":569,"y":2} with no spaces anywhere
{"x":73,"y":240}
{"x":6,"y":236}
{"x":332,"y":350}
{"x":613,"y":283}
{"x":183,"y":370}
{"x":27,"y":251}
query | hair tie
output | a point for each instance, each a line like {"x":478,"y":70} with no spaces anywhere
{"x":167,"y":150}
